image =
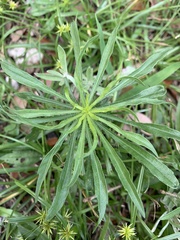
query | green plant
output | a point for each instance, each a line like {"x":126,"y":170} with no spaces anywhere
{"x":89,"y":112}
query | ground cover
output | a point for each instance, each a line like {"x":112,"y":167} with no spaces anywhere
{"x":89,"y":120}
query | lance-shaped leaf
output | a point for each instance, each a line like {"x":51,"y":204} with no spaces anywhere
{"x":154,"y":165}
{"x":99,"y":181}
{"x":104,"y":61}
{"x":171,"y":214}
{"x":62,"y":58}
{"x":171,"y":236}
{"x":120,"y":105}
{"x":78,"y":68}
{"x":28,"y":80}
{"x":149,"y":64}
{"x":100,"y":186}
{"x":155,"y":79}
{"x":151,"y":92}
{"x":33,"y":113}
{"x":79,"y":155}
{"x":42,"y":99}
{"x":62,"y":189}
{"x":46,"y":163}
{"x":134,"y":137}
{"x":155,"y":129}
{"x":122,"y":172}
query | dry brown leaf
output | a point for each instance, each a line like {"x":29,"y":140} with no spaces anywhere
{"x":15,"y":36}
{"x":138,"y":5}
{"x":19,"y":102}
{"x":142,"y":119}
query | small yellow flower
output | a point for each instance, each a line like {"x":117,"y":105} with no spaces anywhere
{"x":127,"y":232}
{"x":63,"y":28}
{"x":67,"y":233}
{"x":12,"y":5}
{"x":58,"y":64}
{"x":46,"y":226}
{"x":65,"y":3}
{"x":1,"y":10}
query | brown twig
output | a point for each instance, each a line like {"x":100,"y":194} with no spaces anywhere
{"x":88,"y":199}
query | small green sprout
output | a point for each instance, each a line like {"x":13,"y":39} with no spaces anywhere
{"x":127,"y":232}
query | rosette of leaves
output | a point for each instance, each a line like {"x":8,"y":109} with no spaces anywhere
{"x":90,"y":123}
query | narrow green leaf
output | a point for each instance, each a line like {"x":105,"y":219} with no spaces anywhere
{"x":18,"y":142}
{"x":35,"y":121}
{"x":155,"y":166}
{"x":78,"y":57}
{"x":151,"y":92}
{"x":100,"y":186}
{"x":25,"y":188}
{"x":42,"y":99}
{"x":104,"y":61}
{"x":99,"y":181}
{"x":33,"y":113}
{"x":84,"y":48}
{"x":79,"y":155}
{"x":178,"y":116}
{"x":105,"y":229}
{"x":122,"y":83}
{"x":75,"y":40}
{"x":155,"y":79}
{"x":171,"y":236}
{"x":134,"y":137}
{"x":52,"y":77}
{"x":27,"y":80}
{"x":95,"y":137}
{"x":155,"y":129}
{"x":141,"y":14}
{"x":171,"y":214}
{"x":46,"y":163}
{"x":118,"y":106}
{"x":123,"y":173}
{"x":102,"y":45}
{"x":63,"y":183}
{"x":149,"y":64}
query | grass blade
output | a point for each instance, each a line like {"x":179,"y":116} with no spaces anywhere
{"x":171,"y":236}
{"x":171,"y":214}
{"x":149,"y":64}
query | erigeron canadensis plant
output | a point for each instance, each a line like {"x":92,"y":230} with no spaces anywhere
{"x":90,"y":122}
